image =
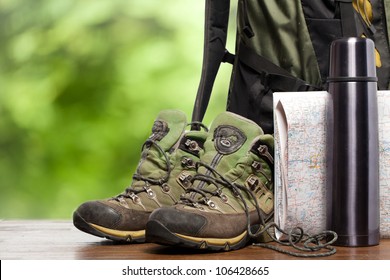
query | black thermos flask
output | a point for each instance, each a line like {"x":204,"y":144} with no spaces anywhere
{"x":353,"y":145}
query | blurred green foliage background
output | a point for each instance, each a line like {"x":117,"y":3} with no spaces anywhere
{"x":81,"y":82}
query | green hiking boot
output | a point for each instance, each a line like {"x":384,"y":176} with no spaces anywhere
{"x":164,"y":171}
{"x":231,"y":198}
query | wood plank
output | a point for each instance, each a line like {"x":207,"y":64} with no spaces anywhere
{"x":60,"y":240}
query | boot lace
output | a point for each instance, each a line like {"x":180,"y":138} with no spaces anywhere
{"x":306,"y":245}
{"x":130,"y":191}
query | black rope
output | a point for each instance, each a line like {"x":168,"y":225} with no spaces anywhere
{"x":306,"y":240}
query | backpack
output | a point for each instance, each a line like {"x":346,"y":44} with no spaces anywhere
{"x":284,"y":46}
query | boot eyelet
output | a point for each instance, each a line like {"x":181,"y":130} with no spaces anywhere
{"x":187,"y":162}
{"x":257,"y":166}
{"x":211,"y":204}
{"x":224,"y":198}
{"x":165,"y":188}
{"x":264,"y":151}
{"x":192,"y":145}
{"x":252,"y":182}
{"x":184,"y":179}
{"x":151,"y":193}
{"x":196,"y":205}
{"x":135,"y":198}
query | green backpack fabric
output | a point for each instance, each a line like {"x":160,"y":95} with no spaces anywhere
{"x":284,"y":46}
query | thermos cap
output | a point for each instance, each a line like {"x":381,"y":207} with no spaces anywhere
{"x":352,"y":59}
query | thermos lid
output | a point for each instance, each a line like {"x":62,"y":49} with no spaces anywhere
{"x":352,"y":60}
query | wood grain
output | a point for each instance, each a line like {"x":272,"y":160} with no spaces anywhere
{"x":60,"y":240}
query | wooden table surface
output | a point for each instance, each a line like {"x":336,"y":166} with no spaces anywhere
{"x":60,"y":240}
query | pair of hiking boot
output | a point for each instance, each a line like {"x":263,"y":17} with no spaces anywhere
{"x":199,"y":189}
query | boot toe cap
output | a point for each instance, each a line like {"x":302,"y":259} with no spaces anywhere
{"x":98,"y":213}
{"x":177,"y":221}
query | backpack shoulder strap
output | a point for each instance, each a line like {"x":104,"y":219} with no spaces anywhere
{"x":214,"y":53}
{"x":347,"y":17}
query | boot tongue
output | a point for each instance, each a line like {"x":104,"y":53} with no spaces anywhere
{"x":228,"y":139}
{"x":232,"y":137}
{"x":167,"y":128}
{"x":166,"y":132}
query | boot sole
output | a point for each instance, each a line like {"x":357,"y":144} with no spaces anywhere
{"x":158,"y":233}
{"x":114,"y":235}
